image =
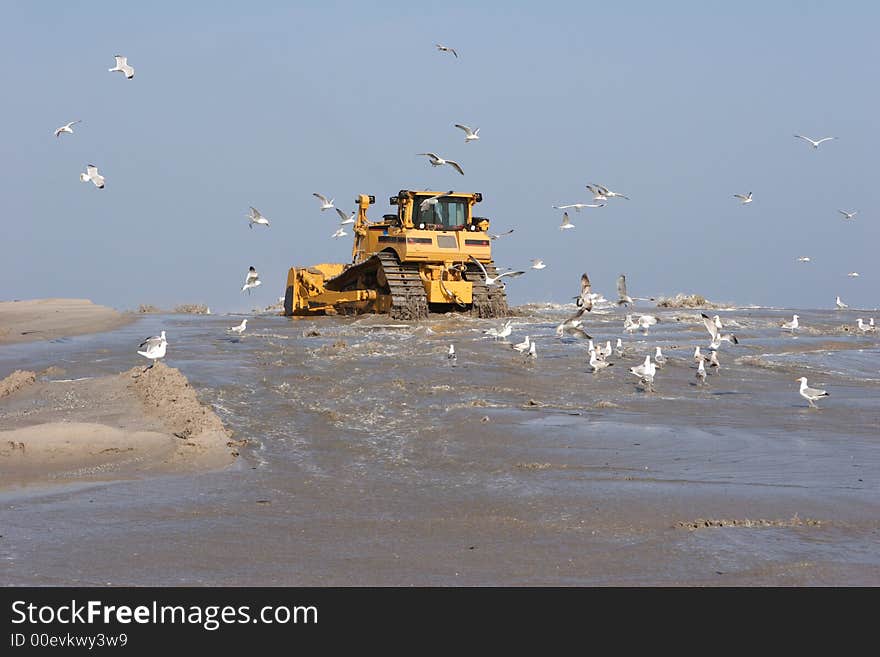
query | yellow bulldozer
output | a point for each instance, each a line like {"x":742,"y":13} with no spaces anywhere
{"x":426,"y":257}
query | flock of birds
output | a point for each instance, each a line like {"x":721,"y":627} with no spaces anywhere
{"x":155,"y":347}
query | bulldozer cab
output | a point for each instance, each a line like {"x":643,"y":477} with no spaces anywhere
{"x":446,"y":213}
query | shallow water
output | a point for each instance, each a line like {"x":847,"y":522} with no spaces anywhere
{"x":377,"y":461}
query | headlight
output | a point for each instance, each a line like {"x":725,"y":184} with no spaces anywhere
{"x":422,"y":226}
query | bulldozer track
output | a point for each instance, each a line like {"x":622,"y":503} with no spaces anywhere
{"x":488,"y":301}
{"x":408,"y":299}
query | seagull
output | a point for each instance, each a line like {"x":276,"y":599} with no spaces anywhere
{"x":618,"y":348}
{"x":345,"y":218}
{"x":745,"y":199}
{"x":597,"y":193}
{"x":848,"y":215}
{"x":577,"y":206}
{"x":123,"y":67}
{"x":443,"y":48}
{"x":659,"y":358}
{"x":792,"y":325}
{"x":647,"y":320}
{"x":533,"y":353}
{"x":340,"y":232}
{"x":256,"y":218}
{"x":252,"y":280}
{"x":566,"y":222}
{"x":493,"y":280}
{"x":450,"y":355}
{"x":469,"y":135}
{"x":864,"y":327}
{"x":629,"y":325}
{"x":325,"y":204}
{"x":585,"y":299}
{"x":153,"y":348}
{"x":66,"y":128}
{"x":645,"y":372}
{"x":713,"y":360}
{"x":853,"y":274}
{"x":607,"y":193}
{"x":623,"y":298}
{"x":605,"y":351}
{"x":714,"y":329}
{"x":701,"y":373}
{"x":503,"y":332}
{"x":93,"y":175}
{"x":437,"y":161}
{"x":240,"y":328}
{"x":810,"y":394}
{"x":432,"y":200}
{"x":538,"y":264}
{"x":597,"y":364}
{"x":804,"y":259}
{"x":815,"y":144}
{"x":495,"y":237}
{"x":717,"y":321}
{"x":698,"y":357}
{"x":840,"y":304}
{"x":522,"y":346}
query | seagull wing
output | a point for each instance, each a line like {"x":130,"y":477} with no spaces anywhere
{"x":824,"y":139}
{"x":621,"y":286}
{"x":151,"y":342}
{"x":480,"y":265}
{"x":433,"y":156}
{"x":510,"y":273}
{"x":121,"y":61}
{"x":455,"y":165}
{"x":320,"y":196}
{"x":342,"y":215}
{"x":710,"y":326}
{"x":467,"y":130}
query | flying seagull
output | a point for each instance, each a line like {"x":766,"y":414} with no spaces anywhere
{"x":123,"y":67}
{"x":432,"y":200}
{"x":92,"y":175}
{"x":340,"y":232}
{"x":153,"y":348}
{"x":577,"y":206}
{"x":840,"y":304}
{"x":607,"y":193}
{"x":493,"y":280}
{"x":597,"y":193}
{"x":437,"y":161}
{"x":443,"y":48}
{"x":325,"y":204}
{"x":804,"y":259}
{"x":538,"y":264}
{"x":623,"y":298}
{"x":566,"y":222}
{"x":345,"y":218}
{"x":585,"y":299}
{"x":469,"y":135}
{"x":495,"y":237}
{"x":240,"y":328}
{"x":66,"y":128}
{"x":815,"y":144}
{"x":848,"y":215}
{"x":810,"y":394}
{"x":853,"y":274}
{"x":715,"y":332}
{"x":255,"y":217}
{"x":252,"y":280}
{"x":745,"y":199}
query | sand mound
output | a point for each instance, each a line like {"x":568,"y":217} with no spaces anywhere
{"x":18,"y":379}
{"x":167,"y":394}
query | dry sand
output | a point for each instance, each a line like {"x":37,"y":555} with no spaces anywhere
{"x":48,"y":319}
{"x":108,"y":428}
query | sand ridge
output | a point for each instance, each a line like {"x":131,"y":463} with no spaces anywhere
{"x":49,"y":319}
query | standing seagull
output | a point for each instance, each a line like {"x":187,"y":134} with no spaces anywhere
{"x":450,"y":355}
{"x":848,"y":215}
{"x":443,"y":48}
{"x":123,"y":67}
{"x":256,"y":218}
{"x":792,"y":325}
{"x":490,"y":280}
{"x":538,"y":264}
{"x":437,"y":161}
{"x":810,"y":394}
{"x":815,"y":144}
{"x":240,"y":328}
{"x":533,"y":353}
{"x":566,"y":222}
{"x":66,"y":128}
{"x":153,"y":348}
{"x":701,"y":373}
{"x":325,"y":204}
{"x":745,"y":199}
{"x":597,"y":364}
{"x":93,"y":175}
{"x":864,"y":328}
{"x":659,"y":358}
{"x":840,"y":304}
{"x":469,"y":135}
{"x":252,"y":280}
{"x":522,"y":346}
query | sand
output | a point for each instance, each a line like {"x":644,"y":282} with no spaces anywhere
{"x":48,"y":319}
{"x":134,"y":424}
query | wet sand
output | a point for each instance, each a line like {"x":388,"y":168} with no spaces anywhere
{"x":49,"y":319}
{"x":118,"y":427}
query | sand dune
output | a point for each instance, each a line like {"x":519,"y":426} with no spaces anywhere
{"x":48,"y":319}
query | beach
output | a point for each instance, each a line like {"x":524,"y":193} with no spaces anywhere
{"x":49,"y":319}
{"x":366,"y":457}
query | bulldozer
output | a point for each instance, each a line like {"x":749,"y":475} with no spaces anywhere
{"x":424,"y":258}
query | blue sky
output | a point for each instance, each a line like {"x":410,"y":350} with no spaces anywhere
{"x":678,"y":105}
